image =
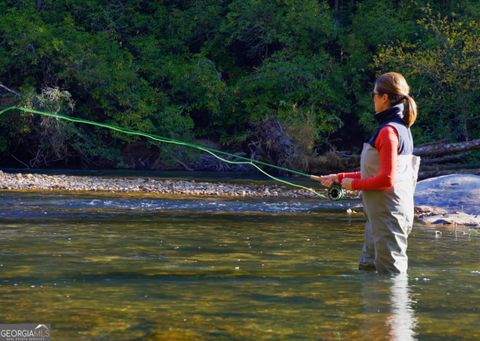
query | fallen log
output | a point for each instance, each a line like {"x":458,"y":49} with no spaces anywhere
{"x":434,"y":173}
{"x":446,"y":148}
{"x":444,"y":158}
{"x":451,"y":166}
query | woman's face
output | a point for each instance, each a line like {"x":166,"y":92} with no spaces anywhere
{"x":380,"y":101}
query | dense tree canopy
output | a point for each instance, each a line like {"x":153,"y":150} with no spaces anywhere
{"x":210,"y":69}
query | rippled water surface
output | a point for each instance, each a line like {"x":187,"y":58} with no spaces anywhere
{"x":101,"y":268}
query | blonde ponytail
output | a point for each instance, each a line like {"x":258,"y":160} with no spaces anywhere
{"x":410,"y":111}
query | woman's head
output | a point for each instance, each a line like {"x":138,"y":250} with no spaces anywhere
{"x":391,"y":88}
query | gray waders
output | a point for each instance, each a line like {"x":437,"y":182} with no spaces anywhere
{"x":389,"y":214}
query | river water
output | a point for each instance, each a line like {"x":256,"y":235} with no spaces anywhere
{"x":127,"y":268}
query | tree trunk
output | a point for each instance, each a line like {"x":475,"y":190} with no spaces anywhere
{"x":446,"y":148}
{"x":433,"y":173}
{"x":271,"y":143}
{"x":10,"y":90}
{"x":452,"y":166}
{"x":445,"y":158}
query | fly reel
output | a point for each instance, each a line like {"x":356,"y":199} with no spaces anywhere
{"x":336,"y":192}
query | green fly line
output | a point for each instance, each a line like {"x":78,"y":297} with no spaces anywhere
{"x":211,"y":151}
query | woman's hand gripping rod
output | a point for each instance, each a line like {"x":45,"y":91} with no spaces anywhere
{"x":335,"y":191}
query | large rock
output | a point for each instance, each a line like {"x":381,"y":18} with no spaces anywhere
{"x":454,"y":193}
{"x":449,"y":199}
{"x":459,"y":218}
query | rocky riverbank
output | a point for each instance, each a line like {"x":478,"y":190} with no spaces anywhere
{"x":448,"y":200}
{"x":42,"y":182}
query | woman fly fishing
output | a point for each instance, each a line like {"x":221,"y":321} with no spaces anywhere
{"x":387,"y":177}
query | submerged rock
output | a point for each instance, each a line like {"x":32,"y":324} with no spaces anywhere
{"x":423,"y":210}
{"x":458,"y":218}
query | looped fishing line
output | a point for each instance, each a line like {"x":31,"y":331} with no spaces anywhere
{"x":211,"y":151}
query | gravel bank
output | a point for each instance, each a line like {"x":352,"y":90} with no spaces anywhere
{"x":42,"y":182}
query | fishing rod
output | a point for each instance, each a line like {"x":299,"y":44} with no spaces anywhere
{"x":335,"y":192}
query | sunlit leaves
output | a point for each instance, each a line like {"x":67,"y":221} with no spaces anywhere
{"x":446,"y":63}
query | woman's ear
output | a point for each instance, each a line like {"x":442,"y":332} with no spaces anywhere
{"x":385,"y":98}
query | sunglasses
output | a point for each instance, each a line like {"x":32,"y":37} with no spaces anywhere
{"x":373,"y":94}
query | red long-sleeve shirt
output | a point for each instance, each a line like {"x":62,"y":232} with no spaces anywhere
{"x":387,"y":145}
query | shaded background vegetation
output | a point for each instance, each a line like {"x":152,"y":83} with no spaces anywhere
{"x":210,"y":71}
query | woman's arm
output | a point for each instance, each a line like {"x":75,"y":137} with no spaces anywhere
{"x":329,"y":180}
{"x":387,"y":145}
{"x":351,"y":175}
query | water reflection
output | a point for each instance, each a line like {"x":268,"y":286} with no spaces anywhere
{"x":388,"y":303}
{"x":160,"y":274}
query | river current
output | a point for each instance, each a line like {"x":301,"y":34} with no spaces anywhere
{"x":132,"y":268}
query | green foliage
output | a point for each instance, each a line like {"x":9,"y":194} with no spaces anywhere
{"x":374,"y":24}
{"x":98,"y":72}
{"x":51,"y":139}
{"x":285,"y":82}
{"x":444,"y":65}
{"x":262,"y":27}
{"x":207,"y":69}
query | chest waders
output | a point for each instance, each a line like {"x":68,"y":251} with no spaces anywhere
{"x":389,"y":214}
